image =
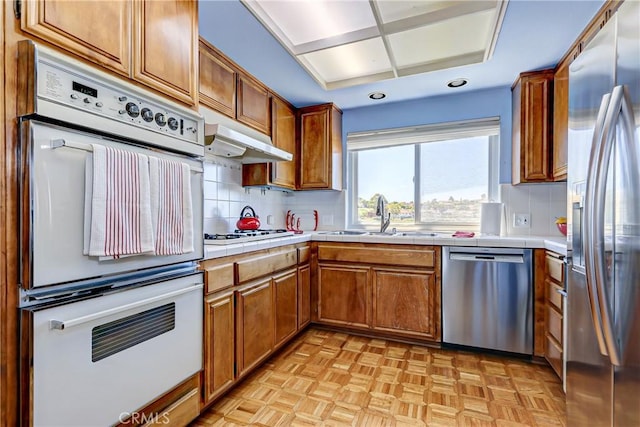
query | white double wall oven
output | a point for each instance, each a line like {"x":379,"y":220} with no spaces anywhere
{"x":103,"y":336}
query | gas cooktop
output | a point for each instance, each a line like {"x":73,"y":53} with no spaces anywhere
{"x":239,"y":236}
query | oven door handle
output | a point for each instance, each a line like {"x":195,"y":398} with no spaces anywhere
{"x":64,"y":324}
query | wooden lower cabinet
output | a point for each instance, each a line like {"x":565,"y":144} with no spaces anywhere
{"x":554,"y":311}
{"x":254,"y":325}
{"x":304,"y":296}
{"x":343,"y":295}
{"x":285,"y":290}
{"x":390,"y":289}
{"x":219,"y":342}
{"x":406,"y":302}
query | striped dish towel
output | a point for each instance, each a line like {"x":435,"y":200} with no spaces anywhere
{"x":171,"y":208}
{"x":120,"y":203}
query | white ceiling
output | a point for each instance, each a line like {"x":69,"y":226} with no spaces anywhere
{"x":347,"y":43}
{"x":534,"y":34}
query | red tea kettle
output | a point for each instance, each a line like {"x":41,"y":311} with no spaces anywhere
{"x":248,"y":219}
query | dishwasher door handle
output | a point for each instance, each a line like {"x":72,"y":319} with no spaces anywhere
{"x":512,"y":258}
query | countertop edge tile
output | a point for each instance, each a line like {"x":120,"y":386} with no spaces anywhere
{"x":552,"y":243}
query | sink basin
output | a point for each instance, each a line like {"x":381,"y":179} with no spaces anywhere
{"x":416,"y":234}
{"x":346,"y":233}
{"x":380,"y":233}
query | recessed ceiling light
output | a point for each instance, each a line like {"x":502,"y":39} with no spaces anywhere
{"x":377,"y":95}
{"x":457,"y":82}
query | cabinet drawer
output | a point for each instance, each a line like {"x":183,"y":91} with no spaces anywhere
{"x":554,"y":297}
{"x":218,"y":277}
{"x":553,"y":354}
{"x":261,"y":266}
{"x":554,"y":324}
{"x":304,"y":254}
{"x":180,"y":413}
{"x":555,"y":268}
{"x":390,"y":256}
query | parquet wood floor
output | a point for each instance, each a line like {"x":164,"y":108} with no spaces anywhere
{"x":326,"y":378}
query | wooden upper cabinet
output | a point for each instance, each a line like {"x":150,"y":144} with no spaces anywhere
{"x":253,"y":105}
{"x":560,"y":121}
{"x":283,"y":136}
{"x":97,"y":31}
{"x":151,"y":42}
{"x":217,"y":80}
{"x":532,"y":113}
{"x":165,"y":46}
{"x":320,"y":148}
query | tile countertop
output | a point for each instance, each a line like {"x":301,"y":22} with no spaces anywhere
{"x":555,"y":244}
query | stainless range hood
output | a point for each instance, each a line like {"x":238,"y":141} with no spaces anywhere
{"x":226,"y":142}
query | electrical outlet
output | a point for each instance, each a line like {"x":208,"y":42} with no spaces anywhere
{"x":521,"y":220}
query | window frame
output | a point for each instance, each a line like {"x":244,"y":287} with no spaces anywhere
{"x":493,"y":191}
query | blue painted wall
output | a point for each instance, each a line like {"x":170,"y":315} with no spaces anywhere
{"x":464,"y":106}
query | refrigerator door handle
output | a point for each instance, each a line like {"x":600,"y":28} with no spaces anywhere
{"x":619,"y":107}
{"x":590,"y":210}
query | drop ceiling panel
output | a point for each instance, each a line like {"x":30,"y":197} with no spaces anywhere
{"x":396,"y":10}
{"x":442,"y":40}
{"x":344,"y":62}
{"x":305,"y":21}
{"x":349,"y":42}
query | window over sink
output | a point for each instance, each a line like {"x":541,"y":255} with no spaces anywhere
{"x":446,"y":170}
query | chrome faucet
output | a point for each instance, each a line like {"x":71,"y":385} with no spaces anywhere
{"x":381,"y":210}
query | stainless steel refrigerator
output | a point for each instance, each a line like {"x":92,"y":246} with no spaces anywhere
{"x":603,"y":187}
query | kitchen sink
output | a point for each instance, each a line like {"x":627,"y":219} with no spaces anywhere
{"x":416,"y":234}
{"x":346,"y":233}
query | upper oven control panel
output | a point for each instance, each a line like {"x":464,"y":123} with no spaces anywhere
{"x":62,"y":88}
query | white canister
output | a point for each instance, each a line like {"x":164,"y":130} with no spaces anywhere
{"x":491,"y":218}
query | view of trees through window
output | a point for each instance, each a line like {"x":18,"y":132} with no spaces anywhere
{"x":451,"y":179}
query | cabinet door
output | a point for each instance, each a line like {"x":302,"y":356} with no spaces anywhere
{"x":283,"y":135}
{"x":253,"y":107}
{"x":304,"y":296}
{"x":254,"y":326}
{"x":314,"y":150}
{"x":320,"y":148}
{"x":217,"y":81}
{"x":219,"y":344}
{"x":165,"y":45}
{"x":407,"y":302}
{"x":344,"y":295}
{"x":285,"y":287}
{"x":106,"y":41}
{"x":532,"y":102}
{"x":560,"y":121}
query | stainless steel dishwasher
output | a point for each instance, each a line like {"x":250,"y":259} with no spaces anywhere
{"x":487,"y":298}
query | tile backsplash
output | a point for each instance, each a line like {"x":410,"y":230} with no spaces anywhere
{"x":544,"y":202}
{"x":224,"y":198}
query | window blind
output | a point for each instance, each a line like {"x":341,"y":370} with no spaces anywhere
{"x":421,"y":134}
